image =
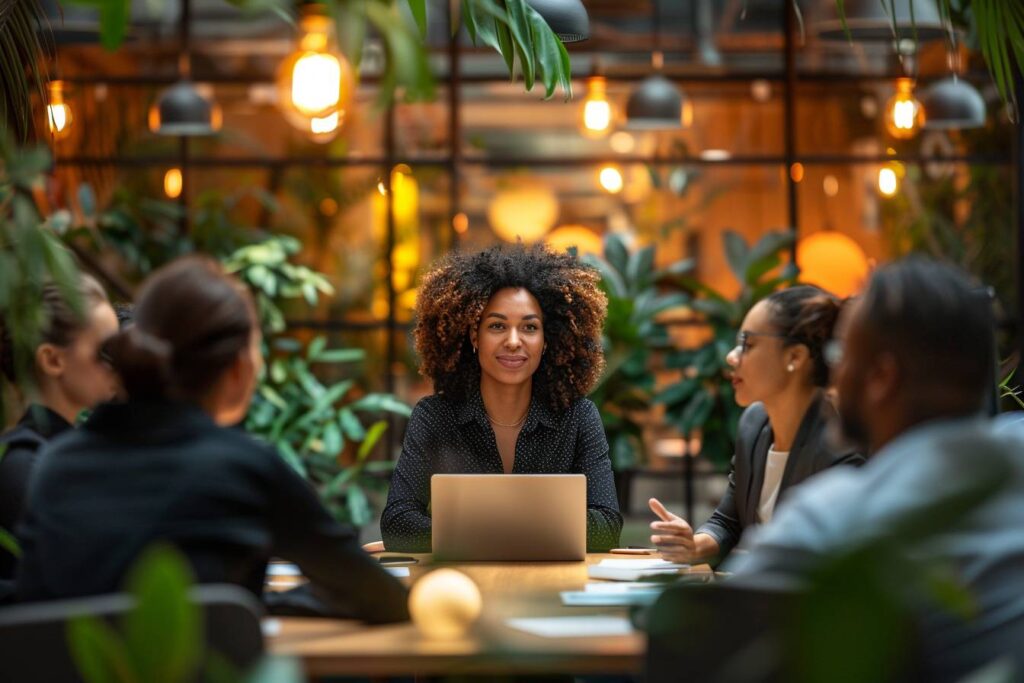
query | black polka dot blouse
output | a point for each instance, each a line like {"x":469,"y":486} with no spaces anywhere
{"x":456,"y":438}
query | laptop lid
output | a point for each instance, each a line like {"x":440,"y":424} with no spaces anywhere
{"x":509,"y":517}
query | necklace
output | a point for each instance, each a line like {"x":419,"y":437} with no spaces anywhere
{"x":502,"y":424}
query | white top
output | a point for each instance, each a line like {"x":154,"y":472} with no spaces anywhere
{"x":773,"y":470}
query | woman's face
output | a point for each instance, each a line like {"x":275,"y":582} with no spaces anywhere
{"x":760,"y":362}
{"x":76,"y":369}
{"x":510,"y":338}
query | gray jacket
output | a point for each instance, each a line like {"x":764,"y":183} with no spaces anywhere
{"x":811,"y":453}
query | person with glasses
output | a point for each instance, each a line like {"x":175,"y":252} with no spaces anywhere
{"x":779,"y":372}
{"x":68,"y":376}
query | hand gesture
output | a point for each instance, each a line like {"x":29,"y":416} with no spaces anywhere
{"x":672,"y":535}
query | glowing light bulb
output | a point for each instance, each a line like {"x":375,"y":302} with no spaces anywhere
{"x":60,"y":117}
{"x":597,"y":111}
{"x":173,"y":183}
{"x":58,"y":113}
{"x":611,"y":179}
{"x":316,"y":82}
{"x":888,"y":181}
{"x":322,"y":126}
{"x":904,"y":115}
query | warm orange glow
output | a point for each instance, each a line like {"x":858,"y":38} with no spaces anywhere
{"x":904,"y":115}
{"x":611,"y":179}
{"x":597,"y":110}
{"x":585,"y":240}
{"x":173,"y":183}
{"x":315,"y":83}
{"x":460,"y":223}
{"x":58,"y":113}
{"x":796,"y":172}
{"x":524,"y":209}
{"x":832,"y":261}
{"x":889,"y":180}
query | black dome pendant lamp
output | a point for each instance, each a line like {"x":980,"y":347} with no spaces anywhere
{"x":181,"y":109}
{"x":656,"y":104}
{"x":567,"y":18}
{"x":872,"y":21}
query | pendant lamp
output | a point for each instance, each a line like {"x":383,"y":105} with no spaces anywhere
{"x":656,"y":104}
{"x":567,"y":18}
{"x":182,"y":110}
{"x":876,"y":21}
{"x":953,"y":104}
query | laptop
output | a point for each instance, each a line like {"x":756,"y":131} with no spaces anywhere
{"x":509,"y":517}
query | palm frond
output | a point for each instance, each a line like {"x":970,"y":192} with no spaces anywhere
{"x":22,"y":62}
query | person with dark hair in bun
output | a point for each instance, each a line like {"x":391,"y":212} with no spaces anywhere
{"x":68,"y":376}
{"x":779,"y":372}
{"x":165,"y":466}
{"x":511,"y":337}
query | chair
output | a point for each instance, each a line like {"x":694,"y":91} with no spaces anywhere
{"x":33,"y":637}
{"x":725,"y":631}
{"x":756,"y":629}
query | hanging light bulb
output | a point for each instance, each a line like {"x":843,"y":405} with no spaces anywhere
{"x":315,"y":83}
{"x":597,"y":110}
{"x":58,"y":113}
{"x":173,"y":183}
{"x":611,"y":179}
{"x":889,"y":179}
{"x":904,"y":115}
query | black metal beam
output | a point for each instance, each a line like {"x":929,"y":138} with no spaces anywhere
{"x":789,"y":122}
{"x":548,"y":161}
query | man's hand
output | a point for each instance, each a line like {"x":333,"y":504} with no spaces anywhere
{"x":673,"y":536}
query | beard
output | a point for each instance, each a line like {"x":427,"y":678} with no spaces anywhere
{"x":852,"y":428}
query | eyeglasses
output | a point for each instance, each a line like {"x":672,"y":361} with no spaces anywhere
{"x":832,"y":352}
{"x":743,"y":339}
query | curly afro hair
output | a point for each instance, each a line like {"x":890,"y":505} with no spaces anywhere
{"x":453,"y":296}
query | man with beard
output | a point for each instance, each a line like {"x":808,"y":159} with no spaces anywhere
{"x":913,"y":359}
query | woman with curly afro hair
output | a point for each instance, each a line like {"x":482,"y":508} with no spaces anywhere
{"x":511,"y":338}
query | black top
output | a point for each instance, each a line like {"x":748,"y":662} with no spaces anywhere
{"x":23,"y":443}
{"x":140,"y":472}
{"x":810,"y":453}
{"x":457,"y":438}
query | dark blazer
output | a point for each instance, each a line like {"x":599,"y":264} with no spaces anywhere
{"x":811,"y":452}
{"x":450,"y":437}
{"x":141,"y":472}
{"x":22,"y":443}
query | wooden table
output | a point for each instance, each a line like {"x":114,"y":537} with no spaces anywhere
{"x":329,"y":647}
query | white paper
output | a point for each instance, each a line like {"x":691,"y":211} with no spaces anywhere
{"x":608,"y":598}
{"x":641,"y":564}
{"x":621,"y":587}
{"x":573,"y":627}
{"x":400,"y":572}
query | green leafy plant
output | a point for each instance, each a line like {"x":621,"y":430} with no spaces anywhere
{"x":320,"y":429}
{"x":31,"y":255}
{"x":160,"y":640}
{"x":703,"y":401}
{"x":20,"y":65}
{"x":996,"y":26}
{"x":631,"y":333}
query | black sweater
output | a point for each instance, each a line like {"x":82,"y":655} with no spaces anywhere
{"x":21,"y":446}
{"x":140,"y":472}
